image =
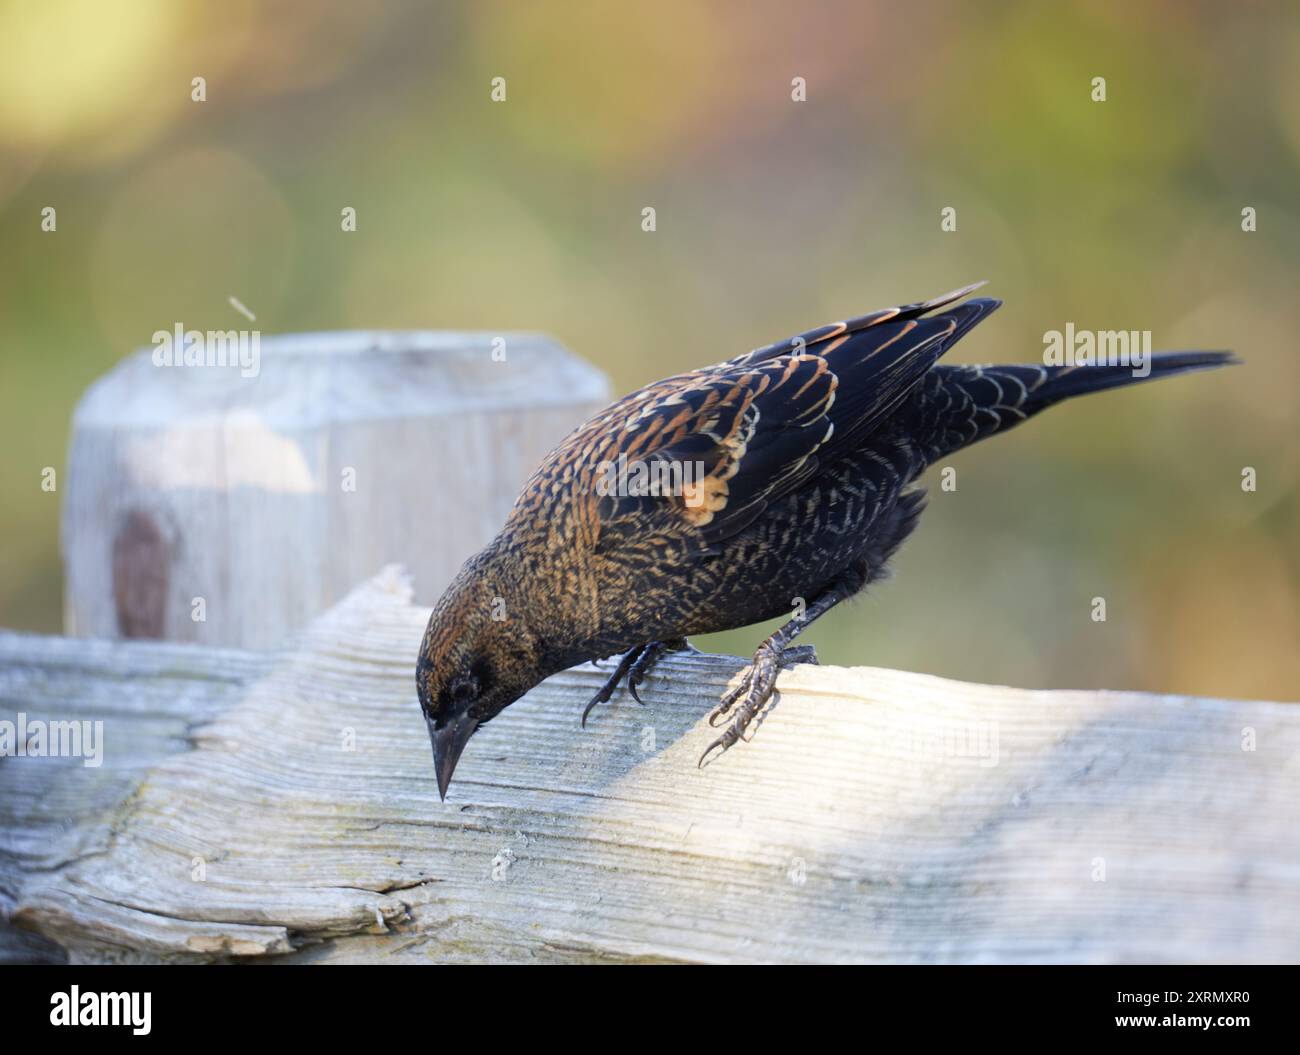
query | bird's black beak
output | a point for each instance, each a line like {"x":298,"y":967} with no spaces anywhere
{"x":448,"y":742}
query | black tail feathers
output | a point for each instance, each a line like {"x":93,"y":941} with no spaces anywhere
{"x":959,"y":405}
{"x":1063,"y":382}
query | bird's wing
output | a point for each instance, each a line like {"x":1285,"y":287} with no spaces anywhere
{"x":879,"y":357}
{"x":721,"y":443}
{"x":744,"y":433}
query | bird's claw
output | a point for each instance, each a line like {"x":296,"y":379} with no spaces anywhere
{"x":745,"y":714}
{"x":601,"y":697}
{"x":611,"y":683}
{"x":756,"y":687}
{"x":634,"y":665}
{"x":728,"y":701}
{"x":641,"y":666}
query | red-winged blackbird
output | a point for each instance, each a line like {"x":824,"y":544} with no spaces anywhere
{"x":715,"y":499}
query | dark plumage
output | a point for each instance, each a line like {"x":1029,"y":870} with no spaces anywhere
{"x":808,"y":449}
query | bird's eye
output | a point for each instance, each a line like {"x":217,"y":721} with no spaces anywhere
{"x":464,"y":688}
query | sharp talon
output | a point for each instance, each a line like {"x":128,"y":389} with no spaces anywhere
{"x":721,"y":744}
{"x":601,"y":697}
{"x":588,"y":709}
{"x":611,"y":683}
{"x":720,"y":712}
{"x":648,"y":657}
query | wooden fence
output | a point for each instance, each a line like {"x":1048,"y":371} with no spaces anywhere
{"x":279,"y":800}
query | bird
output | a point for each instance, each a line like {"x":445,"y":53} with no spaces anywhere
{"x":777,"y":483}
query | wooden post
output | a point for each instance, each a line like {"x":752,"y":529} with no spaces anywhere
{"x":205,"y":505}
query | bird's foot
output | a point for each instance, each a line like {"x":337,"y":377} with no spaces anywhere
{"x":752,"y":692}
{"x":635,"y":664}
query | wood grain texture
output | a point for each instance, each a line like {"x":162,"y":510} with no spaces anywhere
{"x":877,"y":815}
{"x":190,"y":482}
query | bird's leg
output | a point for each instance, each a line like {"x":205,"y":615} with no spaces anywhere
{"x":797,"y":654}
{"x":635,"y":665}
{"x":759,"y":680}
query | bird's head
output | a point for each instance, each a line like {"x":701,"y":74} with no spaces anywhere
{"x":476,"y":659}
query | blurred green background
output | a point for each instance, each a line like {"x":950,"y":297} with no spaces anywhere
{"x":773,"y":216}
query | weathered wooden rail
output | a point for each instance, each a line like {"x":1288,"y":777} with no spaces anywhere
{"x":282,"y":805}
